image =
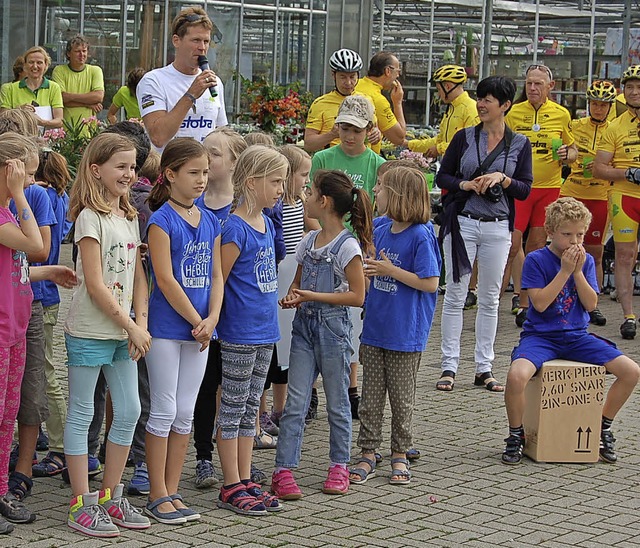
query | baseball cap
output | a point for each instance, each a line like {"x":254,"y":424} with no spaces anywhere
{"x":356,"y":110}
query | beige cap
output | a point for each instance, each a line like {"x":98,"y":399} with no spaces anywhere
{"x":356,"y":110}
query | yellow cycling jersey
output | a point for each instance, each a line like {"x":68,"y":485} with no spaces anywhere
{"x":622,"y":139}
{"x":580,"y":183}
{"x":384,"y":114}
{"x":323,"y":111}
{"x":550,"y":121}
{"x":461,"y":113}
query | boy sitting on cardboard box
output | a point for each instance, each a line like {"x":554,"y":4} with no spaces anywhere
{"x":563,"y":290}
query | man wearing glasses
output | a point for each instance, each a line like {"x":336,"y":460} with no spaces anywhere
{"x":384,"y":71}
{"x":548,"y":126}
{"x":176,"y":101}
{"x":618,"y":160}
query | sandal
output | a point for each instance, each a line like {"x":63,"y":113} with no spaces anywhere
{"x":359,"y":471}
{"x":265,"y":440}
{"x":413,"y":454}
{"x":271,"y":502}
{"x":239,"y":501}
{"x":19,"y":485}
{"x":446,"y":381}
{"x":404,"y":475}
{"x":378,"y":458}
{"x":51,"y":465}
{"x":486,"y":379}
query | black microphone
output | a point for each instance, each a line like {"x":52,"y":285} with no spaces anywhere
{"x":203,"y":63}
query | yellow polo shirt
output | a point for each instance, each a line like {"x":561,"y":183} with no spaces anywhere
{"x":587,"y":137}
{"x":89,"y":79}
{"x":550,"y":121}
{"x":622,"y":140}
{"x":461,"y":113}
{"x":18,"y":93}
{"x":384,"y":113}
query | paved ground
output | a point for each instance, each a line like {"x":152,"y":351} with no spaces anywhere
{"x":461,"y":495}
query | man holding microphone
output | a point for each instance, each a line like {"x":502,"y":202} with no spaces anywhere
{"x":180,"y":100}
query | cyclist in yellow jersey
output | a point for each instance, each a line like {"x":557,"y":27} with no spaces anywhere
{"x":321,"y":130}
{"x":618,"y":161}
{"x":461,"y":111}
{"x":383,"y":73}
{"x":581,"y":184}
{"x":548,"y":126}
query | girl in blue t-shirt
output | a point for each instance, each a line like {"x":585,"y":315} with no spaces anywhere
{"x":398,"y":316}
{"x":248,"y":322}
{"x":329,"y":279}
{"x":184,"y":307}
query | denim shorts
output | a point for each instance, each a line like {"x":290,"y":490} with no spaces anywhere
{"x":95,"y":353}
{"x":578,"y":346}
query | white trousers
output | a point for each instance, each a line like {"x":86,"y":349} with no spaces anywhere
{"x":176,"y":369}
{"x":489,"y":242}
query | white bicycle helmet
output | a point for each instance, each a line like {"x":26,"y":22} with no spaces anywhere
{"x":345,"y":60}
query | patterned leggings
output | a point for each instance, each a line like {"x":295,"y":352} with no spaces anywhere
{"x":244,"y":370}
{"x":12,"y":361}
{"x":393,"y":372}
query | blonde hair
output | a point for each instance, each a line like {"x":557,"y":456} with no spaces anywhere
{"x":88,"y":191}
{"x":407,"y":195}
{"x":295,"y":155}
{"x":566,"y":210}
{"x":233,"y":140}
{"x":14,"y":146}
{"x":256,"y":162}
{"x":259,"y":138}
{"x":151,"y":167}
{"x":38,"y":49}
{"x":25,"y":121}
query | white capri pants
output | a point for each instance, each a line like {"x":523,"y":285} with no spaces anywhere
{"x":176,"y":369}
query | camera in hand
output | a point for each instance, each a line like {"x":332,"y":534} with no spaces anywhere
{"x":493,"y":193}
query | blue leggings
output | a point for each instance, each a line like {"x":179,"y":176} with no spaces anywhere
{"x":122,"y":379}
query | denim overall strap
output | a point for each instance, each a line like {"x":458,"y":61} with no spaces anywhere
{"x":319,"y":274}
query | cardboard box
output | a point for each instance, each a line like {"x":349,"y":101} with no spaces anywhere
{"x":563,"y":412}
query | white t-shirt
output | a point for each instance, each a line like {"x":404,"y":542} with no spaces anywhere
{"x":119,"y":240}
{"x":348,"y":250}
{"x":161,"y":89}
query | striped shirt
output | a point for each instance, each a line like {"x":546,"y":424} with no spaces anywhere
{"x":292,"y":225}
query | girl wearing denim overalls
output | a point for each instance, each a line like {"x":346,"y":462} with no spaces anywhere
{"x":329,"y":279}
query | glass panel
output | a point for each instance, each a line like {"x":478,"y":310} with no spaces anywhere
{"x":18,"y":30}
{"x":293,"y":37}
{"x":223,"y":53}
{"x":103,"y":29}
{"x":59,"y":21}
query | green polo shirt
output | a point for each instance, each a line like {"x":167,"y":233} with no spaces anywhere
{"x":123,"y":98}
{"x":15,"y":94}
{"x":89,"y":79}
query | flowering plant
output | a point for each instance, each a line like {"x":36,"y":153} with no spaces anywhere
{"x":71,"y":139}
{"x":274,"y":105}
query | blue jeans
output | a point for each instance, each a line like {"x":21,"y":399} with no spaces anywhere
{"x":320,"y":343}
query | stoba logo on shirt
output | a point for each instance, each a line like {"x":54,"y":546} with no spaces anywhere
{"x":195,"y":267}
{"x":265,"y":270}
{"x":196,"y":123}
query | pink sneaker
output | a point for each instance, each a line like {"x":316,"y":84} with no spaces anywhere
{"x":284,"y":486}
{"x":337,"y":482}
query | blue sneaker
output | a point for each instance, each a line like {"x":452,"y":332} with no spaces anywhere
{"x":139,"y":484}
{"x":94,"y":468}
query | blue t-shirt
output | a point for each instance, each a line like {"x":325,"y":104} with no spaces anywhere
{"x":399,"y":317}
{"x":60,"y":205}
{"x":222,"y":214}
{"x":40,"y":204}
{"x":566,"y":312}
{"x":192,"y":265}
{"x":250,"y":307}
